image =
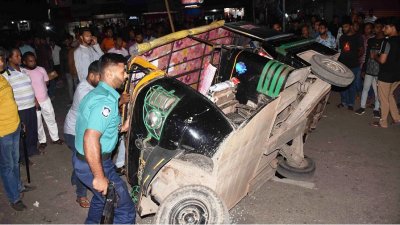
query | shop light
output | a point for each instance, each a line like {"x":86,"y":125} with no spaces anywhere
{"x":192,"y":6}
{"x":47,"y":27}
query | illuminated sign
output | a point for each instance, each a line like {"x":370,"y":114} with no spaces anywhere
{"x":191,"y":2}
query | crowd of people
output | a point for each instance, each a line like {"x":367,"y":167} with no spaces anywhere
{"x":369,"y":47}
{"x":93,"y":67}
{"x":27,"y":73}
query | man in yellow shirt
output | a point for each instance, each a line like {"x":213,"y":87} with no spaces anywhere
{"x":9,"y":141}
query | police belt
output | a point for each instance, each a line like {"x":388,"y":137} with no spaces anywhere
{"x":104,"y":156}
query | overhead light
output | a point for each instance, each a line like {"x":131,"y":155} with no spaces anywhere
{"x":12,"y":22}
{"x":47,"y":27}
{"x":214,"y":10}
{"x":286,"y":15}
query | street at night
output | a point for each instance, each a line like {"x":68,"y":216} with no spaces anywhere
{"x":356,"y":180}
{"x":199,"y":112}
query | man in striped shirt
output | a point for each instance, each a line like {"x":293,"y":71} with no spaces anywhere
{"x":25,"y":99}
{"x":9,"y":141}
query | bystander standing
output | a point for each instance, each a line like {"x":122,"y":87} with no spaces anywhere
{"x":9,"y":142}
{"x":389,"y":76}
{"x":370,"y":69}
{"x":82,"y":90}
{"x":118,"y":47}
{"x":325,"y":37}
{"x":87,"y":52}
{"x":40,"y":80}
{"x":25,"y":99}
{"x":351,"y":48}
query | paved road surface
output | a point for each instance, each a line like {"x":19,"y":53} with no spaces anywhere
{"x":357,"y":180}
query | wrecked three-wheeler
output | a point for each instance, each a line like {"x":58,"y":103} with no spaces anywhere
{"x":216,"y":111}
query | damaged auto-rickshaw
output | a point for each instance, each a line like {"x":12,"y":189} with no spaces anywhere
{"x":216,"y":111}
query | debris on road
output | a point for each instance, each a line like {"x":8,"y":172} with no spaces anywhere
{"x":303,"y":184}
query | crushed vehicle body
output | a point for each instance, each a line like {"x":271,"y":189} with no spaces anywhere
{"x":216,"y":111}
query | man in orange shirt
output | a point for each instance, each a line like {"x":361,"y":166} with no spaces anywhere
{"x":108,"y":41}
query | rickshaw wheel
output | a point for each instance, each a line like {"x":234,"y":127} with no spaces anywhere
{"x":291,"y":172}
{"x":194,"y":204}
{"x":331,"y":71}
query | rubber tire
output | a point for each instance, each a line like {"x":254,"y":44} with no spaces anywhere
{"x":293,"y":172}
{"x":337,"y":78}
{"x":218,"y":213}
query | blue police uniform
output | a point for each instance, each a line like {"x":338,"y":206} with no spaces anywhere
{"x":98,"y":111}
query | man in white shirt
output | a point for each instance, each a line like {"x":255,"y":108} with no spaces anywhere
{"x":118,"y":49}
{"x":55,"y":52}
{"x":148,"y":35}
{"x":370,"y":18}
{"x":87,"y":52}
{"x":83,"y":88}
{"x":134,"y":50}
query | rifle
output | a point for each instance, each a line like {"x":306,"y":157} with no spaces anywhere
{"x":111,"y":202}
{"x":23,"y":136}
{"x":127,"y":87}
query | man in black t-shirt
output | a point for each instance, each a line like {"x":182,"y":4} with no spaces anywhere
{"x":389,"y":75}
{"x":370,"y":69}
{"x":351,"y":48}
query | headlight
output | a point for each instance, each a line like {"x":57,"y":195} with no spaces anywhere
{"x":158,"y":103}
{"x":154,"y":119}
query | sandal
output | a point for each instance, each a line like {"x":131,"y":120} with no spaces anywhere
{"x":340,"y":105}
{"x":58,"y":142}
{"x":29,"y":162}
{"x":41,"y":148}
{"x":28,"y":188}
{"x":121,"y":171}
{"x":377,"y":124}
{"x":83,"y":202}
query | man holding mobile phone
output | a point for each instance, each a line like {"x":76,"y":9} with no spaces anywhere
{"x":87,"y":52}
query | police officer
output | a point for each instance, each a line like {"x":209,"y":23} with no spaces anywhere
{"x":97,"y":128}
